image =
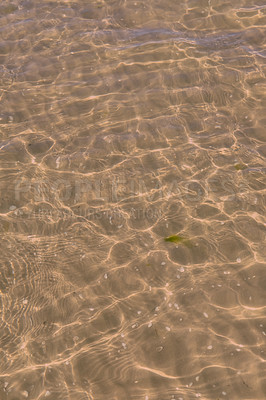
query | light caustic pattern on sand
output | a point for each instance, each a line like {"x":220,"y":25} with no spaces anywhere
{"x":132,"y":210}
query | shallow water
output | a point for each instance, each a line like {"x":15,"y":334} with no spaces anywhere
{"x":125,"y":123}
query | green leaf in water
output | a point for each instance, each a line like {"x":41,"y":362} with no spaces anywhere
{"x":179,"y":239}
{"x":174,"y":239}
{"x":240,"y":167}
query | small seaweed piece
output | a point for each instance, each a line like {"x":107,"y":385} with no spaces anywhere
{"x":240,"y":167}
{"x":174,"y":239}
{"x":179,"y":239}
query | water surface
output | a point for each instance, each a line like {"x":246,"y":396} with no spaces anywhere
{"x":132,"y":209}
